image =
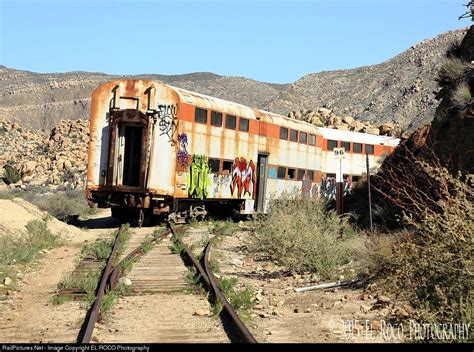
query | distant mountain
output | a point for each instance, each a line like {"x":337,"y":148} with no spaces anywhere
{"x":398,"y":90}
{"x":40,"y":100}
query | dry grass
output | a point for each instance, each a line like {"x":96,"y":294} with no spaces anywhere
{"x":302,"y":236}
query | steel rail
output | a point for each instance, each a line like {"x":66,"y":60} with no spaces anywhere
{"x":191,"y":257}
{"x":87,"y":329}
{"x":244,"y":332}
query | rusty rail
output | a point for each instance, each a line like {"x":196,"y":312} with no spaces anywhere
{"x":209,"y":278}
{"x":87,"y":329}
{"x":244,"y":332}
{"x":190,"y":256}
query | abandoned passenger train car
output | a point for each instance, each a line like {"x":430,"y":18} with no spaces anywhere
{"x":165,"y":150}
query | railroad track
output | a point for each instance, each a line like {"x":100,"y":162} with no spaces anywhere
{"x":159,"y":282}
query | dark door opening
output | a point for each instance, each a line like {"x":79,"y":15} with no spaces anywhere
{"x":262,"y":167}
{"x":132,"y":155}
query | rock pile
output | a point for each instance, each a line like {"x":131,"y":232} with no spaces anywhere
{"x":42,"y":160}
{"x":324,"y":117}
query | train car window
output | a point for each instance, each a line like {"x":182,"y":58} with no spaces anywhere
{"x":301,"y":174}
{"x":309,"y":175}
{"x":281,"y":172}
{"x":214,"y":166}
{"x":230,"y":122}
{"x":243,"y":125}
{"x":284,"y":133}
{"x":355,"y":178}
{"x":294,"y":135}
{"x":291,"y":174}
{"x":303,"y":137}
{"x":200,"y":115}
{"x":346,"y":146}
{"x":357,"y":147}
{"x":227,"y":167}
{"x":312,"y":139}
{"x":332,"y":144}
{"x":216,"y":118}
{"x":272,"y":171}
{"x":331,"y":175}
{"x":369,"y":148}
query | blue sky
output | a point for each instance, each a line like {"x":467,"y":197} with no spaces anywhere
{"x":275,"y":41}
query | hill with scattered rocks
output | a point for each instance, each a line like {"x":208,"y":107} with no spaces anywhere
{"x":42,"y":159}
{"x":40,"y":101}
{"x":399,"y":90}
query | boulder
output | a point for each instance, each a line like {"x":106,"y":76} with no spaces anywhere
{"x":372,"y":130}
{"x":27,"y":168}
{"x":324,"y":112}
{"x":348,"y":119}
{"x":342,"y":127}
{"x":386,"y":128}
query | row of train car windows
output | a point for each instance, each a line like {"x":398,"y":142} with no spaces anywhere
{"x":356,"y":147}
{"x":200,"y":116}
{"x":219,"y":166}
{"x":288,"y":173}
{"x":303,"y":136}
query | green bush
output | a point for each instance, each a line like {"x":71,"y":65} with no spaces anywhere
{"x":11,"y":174}
{"x":63,"y":205}
{"x":452,"y":72}
{"x":462,"y":96}
{"x":301,"y":235}
{"x":24,"y":249}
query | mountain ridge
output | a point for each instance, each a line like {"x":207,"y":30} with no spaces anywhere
{"x":398,"y":90}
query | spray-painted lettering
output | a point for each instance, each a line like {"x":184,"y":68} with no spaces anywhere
{"x":243,"y":178}
{"x":167,"y":120}
{"x":198,"y":177}
{"x":328,"y":187}
{"x":182,"y":153}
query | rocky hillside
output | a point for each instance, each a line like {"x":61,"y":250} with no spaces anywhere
{"x":41,"y":100}
{"x":46,"y":159}
{"x":399,"y":90}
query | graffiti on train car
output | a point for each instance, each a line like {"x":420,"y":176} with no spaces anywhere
{"x":243,"y":177}
{"x":198,"y":177}
{"x":182,"y":153}
{"x":218,"y":181}
{"x":328,"y":187}
{"x":167,"y":120}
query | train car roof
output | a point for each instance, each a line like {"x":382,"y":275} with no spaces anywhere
{"x":358,"y":137}
{"x":237,"y":109}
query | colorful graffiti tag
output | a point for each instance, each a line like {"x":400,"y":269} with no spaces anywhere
{"x":198,"y":177}
{"x":167,"y":120}
{"x":243,"y":178}
{"x":328,"y":187}
{"x":182,"y":154}
{"x":218,"y":181}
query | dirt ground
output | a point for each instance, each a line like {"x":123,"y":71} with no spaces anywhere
{"x":282,"y":315}
{"x":28,"y":315}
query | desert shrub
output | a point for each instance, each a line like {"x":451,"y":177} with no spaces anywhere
{"x":11,"y":174}
{"x":63,"y":205}
{"x":432,"y":265}
{"x":25,"y":248}
{"x":461,"y":96}
{"x":452,"y":72}
{"x":301,"y":235}
{"x":454,"y":49}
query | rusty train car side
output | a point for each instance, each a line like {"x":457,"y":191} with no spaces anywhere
{"x":166,"y":150}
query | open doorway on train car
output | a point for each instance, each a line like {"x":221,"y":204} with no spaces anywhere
{"x":131,"y":137}
{"x":262,"y":172}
